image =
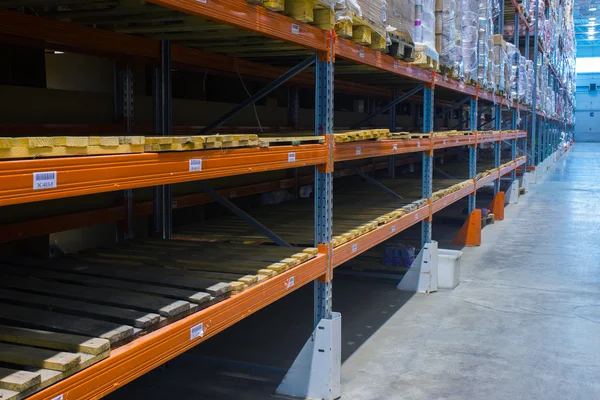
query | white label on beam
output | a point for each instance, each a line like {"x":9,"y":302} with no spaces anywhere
{"x":59,"y":397}
{"x":354,"y":248}
{"x":395,"y":146}
{"x":196,"y":164}
{"x":393,"y":228}
{"x":202,"y":1}
{"x":357,"y":150}
{"x":197,"y":331}
{"x":395,"y":64}
{"x":289,"y":282}
{"x":416,"y":217}
{"x":295,"y":29}
{"x":232,"y":194}
{"x":44,"y":180}
{"x":291,"y":157}
{"x":361,"y":53}
{"x":419,"y":144}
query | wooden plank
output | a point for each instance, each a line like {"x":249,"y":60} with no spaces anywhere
{"x":112,"y":297}
{"x":13,"y":379}
{"x":36,"y":357}
{"x":25,"y":152}
{"x":50,"y":377}
{"x":64,"y":323}
{"x":54,"y":340}
{"x":94,"y":281}
{"x":125,"y":316}
{"x":144,"y":275}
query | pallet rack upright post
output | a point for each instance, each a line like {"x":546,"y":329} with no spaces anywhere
{"x":473,"y":114}
{"x":428,"y":159}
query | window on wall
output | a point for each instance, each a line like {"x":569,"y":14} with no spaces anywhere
{"x":587,"y":65}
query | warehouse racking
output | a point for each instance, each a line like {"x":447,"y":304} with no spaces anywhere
{"x":363,"y":71}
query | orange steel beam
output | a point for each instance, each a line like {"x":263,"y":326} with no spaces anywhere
{"x":80,"y":38}
{"x":96,"y":174}
{"x":451,"y":198}
{"x":362,"y":243}
{"x":518,"y":11}
{"x":65,"y":222}
{"x":252,"y":17}
{"x":133,"y":360}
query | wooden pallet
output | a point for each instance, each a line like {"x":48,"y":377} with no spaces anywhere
{"x":402,"y":47}
{"x":54,"y":357}
{"x":186,"y":143}
{"x":61,"y":146}
{"x":294,"y":141}
{"x":314,"y":12}
{"x":353,"y":136}
{"x":409,"y":135}
{"x":426,"y":57}
{"x":362,"y":32}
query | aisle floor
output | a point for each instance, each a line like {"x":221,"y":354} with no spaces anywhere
{"x":523,"y":323}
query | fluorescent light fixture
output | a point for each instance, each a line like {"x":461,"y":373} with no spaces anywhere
{"x":592,"y":8}
{"x":592,"y":18}
{"x":59,"y":52}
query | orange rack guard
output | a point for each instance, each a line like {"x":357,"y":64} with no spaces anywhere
{"x":470,"y":233}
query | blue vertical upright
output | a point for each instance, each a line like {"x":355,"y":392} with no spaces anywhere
{"x":515,"y":113}
{"x":427,"y":169}
{"x":323,"y":179}
{"x":498,"y":144}
{"x":473,"y":151}
{"x":535,"y":148}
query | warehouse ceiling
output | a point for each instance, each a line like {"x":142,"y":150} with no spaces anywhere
{"x":586,"y":15}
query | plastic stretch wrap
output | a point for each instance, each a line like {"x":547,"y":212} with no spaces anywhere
{"x":450,"y":54}
{"x":469,"y":34}
{"x":374,"y":14}
{"x":345,"y":9}
{"x":498,"y":58}
{"x":401,"y":17}
{"x":522,"y":77}
{"x":513,"y":63}
{"x":529,"y":93}
{"x":424,"y":30}
{"x":484,"y":33}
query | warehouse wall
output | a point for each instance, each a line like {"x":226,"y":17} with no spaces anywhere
{"x":587,"y":109}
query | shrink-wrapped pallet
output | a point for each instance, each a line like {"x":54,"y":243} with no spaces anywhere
{"x":469,"y":35}
{"x":522,"y":76}
{"x":401,"y":18}
{"x":374,"y":15}
{"x":529,"y":93}
{"x":498,"y":60}
{"x":448,"y":20}
{"x":424,"y":29}
{"x":513,"y":63}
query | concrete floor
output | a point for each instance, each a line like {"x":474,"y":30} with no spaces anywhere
{"x":523,"y":323}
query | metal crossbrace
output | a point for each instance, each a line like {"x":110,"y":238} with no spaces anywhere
{"x":427,"y":170}
{"x":261,"y":93}
{"x":443,"y":173}
{"x":452,"y":107}
{"x":388,"y":106}
{"x":323,"y":183}
{"x":373,"y":181}
{"x":473,"y":153}
{"x":242,"y":214}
